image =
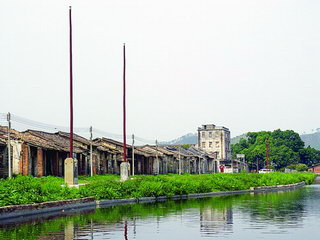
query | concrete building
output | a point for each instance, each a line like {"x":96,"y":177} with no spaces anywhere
{"x":215,"y":140}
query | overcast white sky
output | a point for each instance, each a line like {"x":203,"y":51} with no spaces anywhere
{"x":248,"y":65}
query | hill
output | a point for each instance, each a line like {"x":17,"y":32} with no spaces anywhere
{"x":192,"y":138}
{"x":237,"y":138}
{"x":312,"y":140}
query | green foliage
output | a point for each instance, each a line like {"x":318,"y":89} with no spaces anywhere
{"x":285,"y":148}
{"x":26,"y":190}
{"x":169,"y":185}
{"x":185,"y":146}
{"x":298,"y":167}
{"x":309,"y":156}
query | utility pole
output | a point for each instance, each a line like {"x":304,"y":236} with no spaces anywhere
{"x":157,"y":158}
{"x":71,"y":87}
{"x":267,"y":153}
{"x":91,"y":161}
{"x":179,"y":161}
{"x":133,"y":154}
{"x":9,"y":145}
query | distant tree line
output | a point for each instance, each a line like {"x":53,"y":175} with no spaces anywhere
{"x":285,"y":148}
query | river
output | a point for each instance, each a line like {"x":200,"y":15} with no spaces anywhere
{"x":282,"y":215}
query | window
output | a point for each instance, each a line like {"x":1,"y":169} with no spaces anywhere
{"x":210,"y":134}
{"x":203,"y":144}
{"x":210,"y":144}
{"x":203,"y":134}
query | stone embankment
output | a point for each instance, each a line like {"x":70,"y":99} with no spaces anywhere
{"x":57,"y":207}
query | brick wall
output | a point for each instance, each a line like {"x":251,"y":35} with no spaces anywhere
{"x":40,"y":163}
{"x":24,"y":162}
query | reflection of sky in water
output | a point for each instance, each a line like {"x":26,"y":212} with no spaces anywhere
{"x":287,"y":215}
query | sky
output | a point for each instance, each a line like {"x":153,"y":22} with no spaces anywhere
{"x":247,"y":65}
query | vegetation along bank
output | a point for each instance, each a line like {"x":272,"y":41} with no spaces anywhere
{"x":286,"y":150}
{"x":27,"y":189}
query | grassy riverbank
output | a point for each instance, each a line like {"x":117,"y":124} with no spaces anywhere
{"x":24,"y":190}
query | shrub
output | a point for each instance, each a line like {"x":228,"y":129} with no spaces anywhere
{"x":27,"y":189}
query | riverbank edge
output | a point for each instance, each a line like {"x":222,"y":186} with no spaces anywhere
{"x":27,"y":210}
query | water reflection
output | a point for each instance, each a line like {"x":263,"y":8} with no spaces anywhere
{"x":214,"y":221}
{"x":231,"y":217}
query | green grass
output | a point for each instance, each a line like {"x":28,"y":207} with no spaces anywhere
{"x":25,"y":190}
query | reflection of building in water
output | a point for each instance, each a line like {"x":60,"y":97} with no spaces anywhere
{"x":214,"y":221}
{"x":89,"y":231}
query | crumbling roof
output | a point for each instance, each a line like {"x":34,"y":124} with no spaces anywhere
{"x":165,"y":151}
{"x":60,"y":141}
{"x":25,"y":137}
{"x":176,"y":150}
{"x":108,"y":145}
{"x":2,"y":141}
{"x":76,"y":137}
{"x":4,"y":132}
{"x":143,"y":152}
{"x":117,"y":143}
{"x":151,"y":150}
{"x":57,"y":142}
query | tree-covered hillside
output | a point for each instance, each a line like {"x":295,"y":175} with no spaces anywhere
{"x":285,"y":148}
{"x":312,"y":140}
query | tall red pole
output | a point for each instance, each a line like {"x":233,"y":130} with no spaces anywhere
{"x":71,"y":91}
{"x":267,"y":153}
{"x":124,"y":105}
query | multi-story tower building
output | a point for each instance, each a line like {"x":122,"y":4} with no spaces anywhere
{"x":215,"y":140}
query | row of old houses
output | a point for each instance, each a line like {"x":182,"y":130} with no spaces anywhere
{"x":39,"y":153}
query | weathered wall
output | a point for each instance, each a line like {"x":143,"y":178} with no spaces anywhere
{"x":40,"y":163}
{"x":16,"y":155}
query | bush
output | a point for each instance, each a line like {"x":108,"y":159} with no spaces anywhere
{"x":298,"y":167}
{"x":169,"y":185}
{"x":27,"y":189}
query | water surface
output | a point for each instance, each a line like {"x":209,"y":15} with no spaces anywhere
{"x":282,"y":215}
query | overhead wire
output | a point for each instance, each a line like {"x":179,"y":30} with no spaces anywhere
{"x":22,"y":123}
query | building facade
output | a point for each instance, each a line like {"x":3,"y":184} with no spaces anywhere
{"x":215,"y":140}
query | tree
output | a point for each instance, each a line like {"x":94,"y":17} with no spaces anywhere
{"x":237,"y":148}
{"x":285,"y":148}
{"x":309,"y":156}
{"x":288,"y":138}
{"x":282,"y":156}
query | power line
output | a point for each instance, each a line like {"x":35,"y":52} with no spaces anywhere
{"x":28,"y":123}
